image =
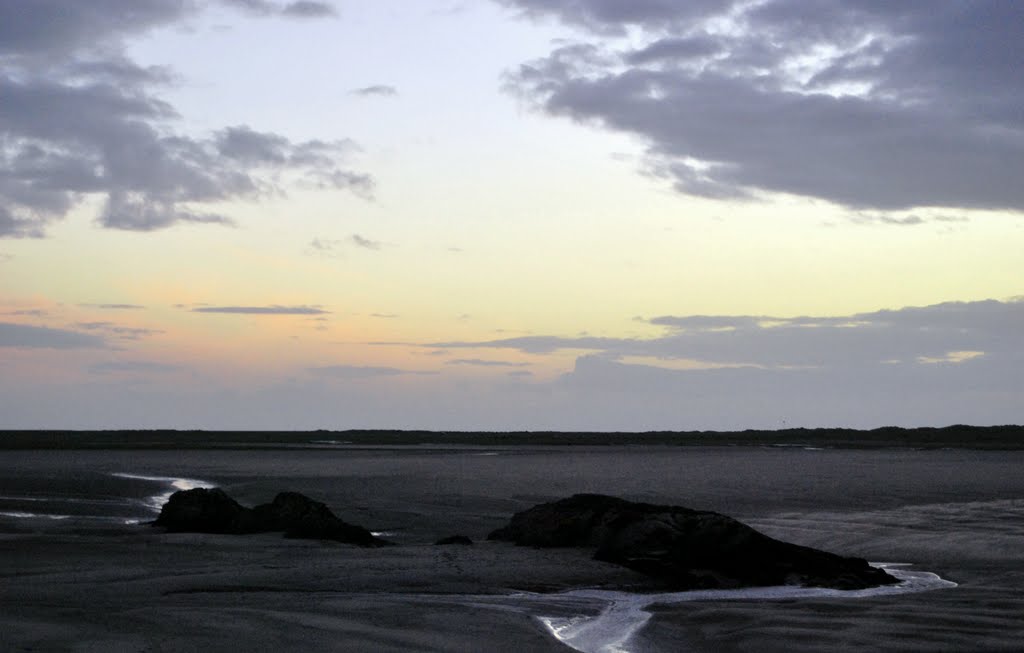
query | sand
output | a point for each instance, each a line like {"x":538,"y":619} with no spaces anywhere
{"x":69,"y":585}
{"x":139,"y":589}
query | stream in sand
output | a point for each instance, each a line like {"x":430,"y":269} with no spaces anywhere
{"x":613,"y":629}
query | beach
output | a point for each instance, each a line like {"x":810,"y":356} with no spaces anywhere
{"x":84,"y":572}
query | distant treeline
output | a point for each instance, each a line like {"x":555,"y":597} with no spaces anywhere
{"x":956,"y":436}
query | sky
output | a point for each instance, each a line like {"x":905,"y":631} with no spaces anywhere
{"x":511,"y":214}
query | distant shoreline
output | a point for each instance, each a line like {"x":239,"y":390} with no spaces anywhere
{"x":1009,"y":437}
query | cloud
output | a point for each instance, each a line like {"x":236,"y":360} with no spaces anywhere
{"x":115,"y":307}
{"x":612,"y":17}
{"x":46,"y":28}
{"x":478,"y":362}
{"x":377,"y":90}
{"x":263,"y":310}
{"x":361,"y":372}
{"x":324,"y":248}
{"x":955,"y":362}
{"x":330,"y":248}
{"x":365,"y":243}
{"x":33,"y":337}
{"x":117,"y":331}
{"x":909,"y":220}
{"x":323,"y":244}
{"x":309,"y":9}
{"x":144,"y":367}
{"x":80,"y":119}
{"x":529,"y":344}
{"x":296,"y":9}
{"x":909,"y":335}
{"x":884,"y":106}
{"x":31,"y":312}
{"x":609,"y":395}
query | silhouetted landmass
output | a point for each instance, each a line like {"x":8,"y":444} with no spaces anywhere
{"x":684,"y":549}
{"x":678,"y":548}
{"x":1009,"y":437}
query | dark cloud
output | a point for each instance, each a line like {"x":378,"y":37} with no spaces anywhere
{"x":360,"y":372}
{"x":80,"y":119}
{"x":140,"y":212}
{"x":877,"y":105}
{"x":263,"y":310}
{"x":297,"y":9}
{"x":33,"y":337}
{"x":675,"y":49}
{"x":144,"y":367}
{"x":952,"y":332}
{"x":244,"y":144}
{"x":46,"y":28}
{"x":378,"y":90}
{"x":615,"y":16}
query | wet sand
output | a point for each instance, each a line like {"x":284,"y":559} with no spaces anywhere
{"x":141,"y":590}
{"x":110,"y":586}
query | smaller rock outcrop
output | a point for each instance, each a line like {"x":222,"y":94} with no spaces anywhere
{"x":683,"y":548}
{"x":213,"y":511}
{"x":301,"y":517}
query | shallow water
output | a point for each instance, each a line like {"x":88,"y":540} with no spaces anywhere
{"x":955,"y":513}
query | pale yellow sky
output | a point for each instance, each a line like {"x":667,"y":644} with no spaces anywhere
{"x":491,"y":216}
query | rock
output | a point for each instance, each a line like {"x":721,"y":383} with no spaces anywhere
{"x":201,"y":511}
{"x":301,"y":517}
{"x":683,"y":548}
{"x":454,"y":539}
{"x":213,"y":511}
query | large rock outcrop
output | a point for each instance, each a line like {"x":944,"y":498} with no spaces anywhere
{"x":213,"y":511}
{"x":683,"y":548}
{"x":202,"y":511}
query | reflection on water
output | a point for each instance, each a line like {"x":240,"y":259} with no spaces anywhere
{"x":32,"y":515}
{"x":157,"y":501}
{"x":98,"y":499}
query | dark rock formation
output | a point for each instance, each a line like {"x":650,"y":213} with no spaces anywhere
{"x":454,"y":539}
{"x":299,"y":516}
{"x":212,"y":511}
{"x":202,"y":511}
{"x":683,"y":548}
